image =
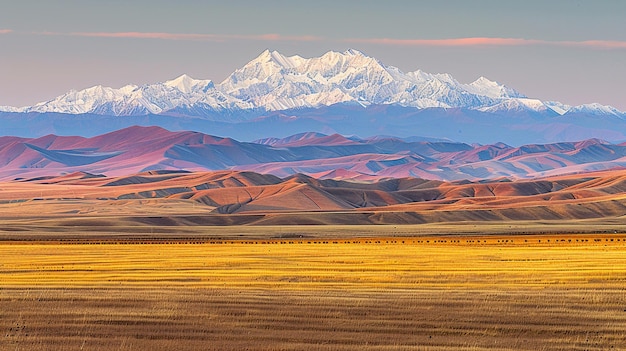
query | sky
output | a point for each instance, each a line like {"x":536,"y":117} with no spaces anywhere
{"x":572,"y":51}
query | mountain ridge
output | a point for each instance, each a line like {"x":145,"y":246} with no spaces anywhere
{"x":274,"y":82}
{"x":141,"y":149}
{"x":204,"y":198}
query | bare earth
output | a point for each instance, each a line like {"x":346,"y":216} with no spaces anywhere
{"x":176,"y":203}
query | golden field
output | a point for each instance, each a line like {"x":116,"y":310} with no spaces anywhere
{"x":457,"y":292}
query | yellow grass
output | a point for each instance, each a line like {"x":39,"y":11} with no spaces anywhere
{"x":361,"y":264}
{"x":427,"y":293}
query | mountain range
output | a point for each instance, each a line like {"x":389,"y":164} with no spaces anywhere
{"x":141,"y":149}
{"x":345,"y":93}
{"x":274,"y":82}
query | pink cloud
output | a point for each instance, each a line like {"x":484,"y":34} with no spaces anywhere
{"x":601,"y":44}
{"x":6,"y":31}
{"x":448,"y":42}
{"x":453,"y":42}
{"x":187,"y":36}
{"x":467,"y":42}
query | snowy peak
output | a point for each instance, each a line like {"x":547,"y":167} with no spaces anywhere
{"x":295,"y":61}
{"x":520,"y":105}
{"x":129,"y":100}
{"x":273,"y":81}
{"x":596,"y":109}
{"x":84,"y":101}
{"x":353,"y":52}
{"x":494,"y":90}
{"x":277,"y":58}
{"x":187,"y":85}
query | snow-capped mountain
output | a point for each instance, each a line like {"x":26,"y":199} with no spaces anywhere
{"x":595,"y":109}
{"x":274,"y":82}
{"x":521,"y":105}
{"x":140,"y":100}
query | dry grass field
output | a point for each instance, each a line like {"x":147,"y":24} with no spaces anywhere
{"x":455,"y":292}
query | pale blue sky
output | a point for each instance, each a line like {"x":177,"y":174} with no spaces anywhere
{"x":572,"y":51}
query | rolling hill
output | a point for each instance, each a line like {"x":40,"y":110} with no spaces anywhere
{"x":140,"y":149}
{"x":230,"y":197}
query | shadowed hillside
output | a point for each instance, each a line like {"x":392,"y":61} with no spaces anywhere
{"x":229,"y":197}
{"x":140,"y":149}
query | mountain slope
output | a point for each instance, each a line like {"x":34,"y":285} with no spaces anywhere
{"x":274,"y":82}
{"x":140,"y":149}
{"x":346,"y":93}
{"x":250,"y":198}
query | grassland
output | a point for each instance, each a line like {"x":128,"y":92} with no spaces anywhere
{"x":454,"y":292}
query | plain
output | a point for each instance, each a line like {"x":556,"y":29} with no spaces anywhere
{"x":450,"y":292}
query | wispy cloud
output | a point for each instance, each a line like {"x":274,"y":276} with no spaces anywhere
{"x":602,"y":44}
{"x":447,"y":42}
{"x":187,"y":36}
{"x":471,"y":42}
{"x":6,"y":31}
{"x":452,"y":42}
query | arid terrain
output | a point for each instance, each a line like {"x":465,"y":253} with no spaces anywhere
{"x":163,"y":198}
{"x":238,"y":260}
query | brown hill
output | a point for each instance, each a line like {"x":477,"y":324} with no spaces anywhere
{"x":229,"y":197}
